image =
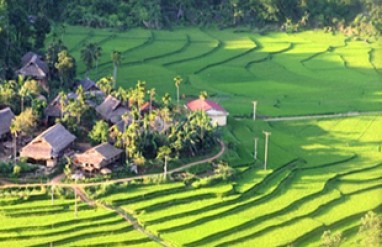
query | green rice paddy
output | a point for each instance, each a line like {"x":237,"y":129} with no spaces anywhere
{"x":322,"y":174}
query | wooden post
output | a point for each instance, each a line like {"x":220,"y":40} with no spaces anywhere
{"x":267,"y":134}
{"x":254,"y":109}
{"x":165,"y":166}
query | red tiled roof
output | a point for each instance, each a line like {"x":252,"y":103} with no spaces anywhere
{"x":204,"y":105}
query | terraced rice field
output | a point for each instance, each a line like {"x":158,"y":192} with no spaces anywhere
{"x":322,"y":174}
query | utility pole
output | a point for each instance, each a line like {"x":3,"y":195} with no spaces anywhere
{"x":255,"y":151}
{"x":254,"y":109}
{"x":267,"y":134}
{"x":165,"y":166}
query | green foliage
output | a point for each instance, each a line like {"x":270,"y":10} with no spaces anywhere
{"x":99,"y":133}
{"x":329,"y":239}
{"x":371,"y":230}
{"x":66,"y":67}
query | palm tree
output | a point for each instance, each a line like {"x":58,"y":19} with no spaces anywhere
{"x":63,"y":103}
{"x":151,"y":93}
{"x":23,"y":123}
{"x":203,"y":96}
{"x":140,"y":94}
{"x":177,"y":80}
{"x":105,"y":84}
{"x":97,"y":55}
{"x":88,"y":56}
{"x":116,"y":57}
{"x":121,"y":95}
{"x":166,"y":99}
{"x":164,"y":152}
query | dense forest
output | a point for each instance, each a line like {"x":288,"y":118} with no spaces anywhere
{"x":24,"y":24}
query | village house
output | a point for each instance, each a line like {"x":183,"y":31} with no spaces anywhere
{"x":49,"y":146}
{"x":97,"y":158}
{"x":217,"y":113}
{"x":111,"y":109}
{"x":87,"y":85}
{"x":6,"y":116}
{"x":34,"y":67}
{"x":54,"y":110}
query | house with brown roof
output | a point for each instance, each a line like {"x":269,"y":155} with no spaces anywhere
{"x":49,"y":146}
{"x":216,"y":112}
{"x":6,"y":116}
{"x":111,"y":109}
{"x":87,"y":85}
{"x":34,"y":67}
{"x":54,"y":109}
{"x":97,"y":158}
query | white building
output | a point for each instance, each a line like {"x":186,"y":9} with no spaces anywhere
{"x":217,"y":113}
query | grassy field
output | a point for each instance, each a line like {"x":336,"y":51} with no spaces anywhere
{"x":322,"y":174}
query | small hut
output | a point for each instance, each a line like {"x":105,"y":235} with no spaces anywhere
{"x":111,"y":109}
{"x":49,"y":146}
{"x":54,"y":110}
{"x":87,"y":85}
{"x":33,"y":66}
{"x":6,"y":116}
{"x":97,"y":158}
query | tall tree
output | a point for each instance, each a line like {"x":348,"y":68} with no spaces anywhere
{"x":66,"y":68}
{"x":116,"y":58}
{"x":151,"y":94}
{"x":177,"y":80}
{"x":164,"y":153}
{"x":27,"y":89}
{"x":41,"y":29}
{"x":90,"y":54}
{"x":22,"y":124}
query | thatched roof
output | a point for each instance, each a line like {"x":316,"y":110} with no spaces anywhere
{"x":111,"y":109}
{"x":54,"y":108}
{"x":6,"y":116}
{"x":33,"y":66}
{"x":87,"y":84}
{"x":49,"y":144}
{"x":99,"y":155}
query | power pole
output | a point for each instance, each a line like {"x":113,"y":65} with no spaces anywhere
{"x":255,"y":151}
{"x":267,"y":134}
{"x":165,"y":166}
{"x":254,"y":109}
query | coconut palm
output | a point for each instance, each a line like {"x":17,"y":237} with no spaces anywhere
{"x":151,"y":94}
{"x":177,"y":80}
{"x":164,"y":152}
{"x":116,"y":58}
{"x":166,"y":99}
{"x":97,"y":55}
{"x":23,"y":123}
{"x":88,"y":56}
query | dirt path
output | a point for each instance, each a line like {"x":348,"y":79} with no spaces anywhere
{"x":323,"y":116}
{"x":56,"y":180}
